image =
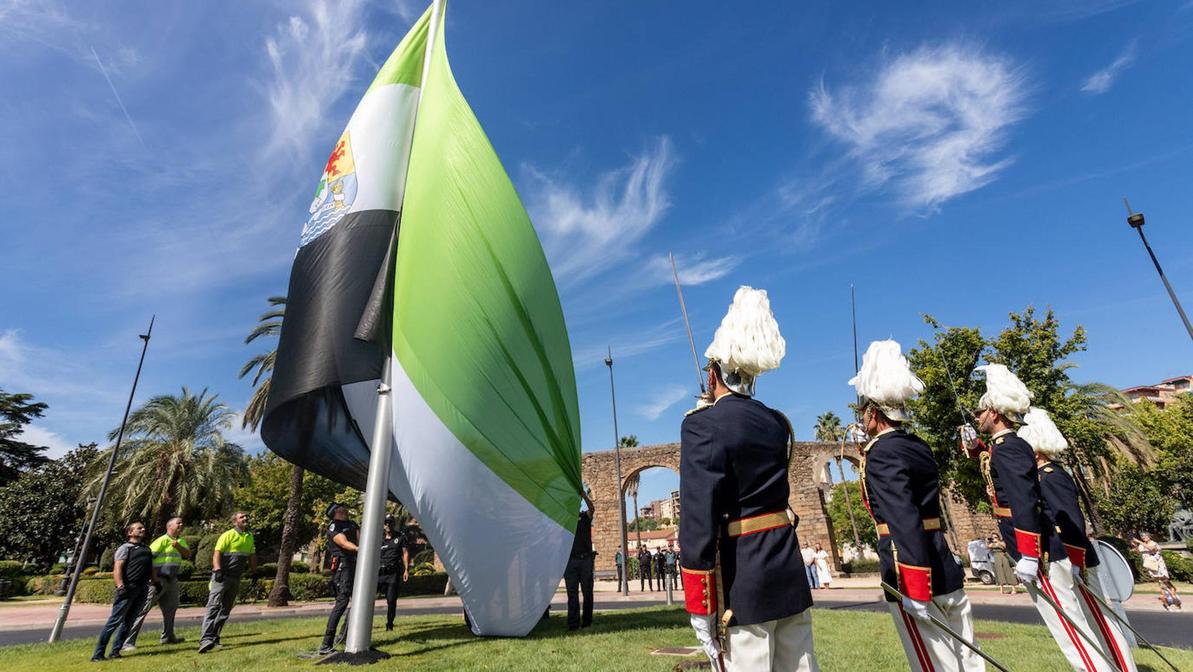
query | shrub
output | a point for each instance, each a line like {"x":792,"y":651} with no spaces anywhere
{"x":299,"y":567}
{"x":57,"y":568}
{"x":90,"y":571}
{"x":108,"y":559}
{"x":267,"y":570}
{"x":11,"y":568}
{"x":422,"y":569}
{"x":305,"y":587}
{"x":428,"y":584}
{"x":203,"y":551}
{"x":1179,"y":568}
{"x":185,"y":570}
{"x":860,"y":566}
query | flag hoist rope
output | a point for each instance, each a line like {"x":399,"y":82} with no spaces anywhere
{"x":368,"y":556}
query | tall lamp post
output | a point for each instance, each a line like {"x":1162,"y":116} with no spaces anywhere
{"x":625,"y":550}
{"x":1135,"y":220}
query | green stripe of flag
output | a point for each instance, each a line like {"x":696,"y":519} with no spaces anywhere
{"x":478,"y":325}
{"x":405,"y":64}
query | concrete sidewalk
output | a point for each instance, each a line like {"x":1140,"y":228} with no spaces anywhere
{"x":41,"y":614}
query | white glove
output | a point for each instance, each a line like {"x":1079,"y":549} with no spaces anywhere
{"x":703,"y":625}
{"x":916,"y":609}
{"x":969,"y":436}
{"x":1026,"y":570}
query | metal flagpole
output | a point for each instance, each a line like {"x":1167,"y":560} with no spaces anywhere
{"x":368,"y":555}
{"x":625,"y":547}
{"x":1135,"y":219}
{"x":64,"y":611}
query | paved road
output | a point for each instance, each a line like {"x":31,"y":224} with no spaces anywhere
{"x":1167,"y":628}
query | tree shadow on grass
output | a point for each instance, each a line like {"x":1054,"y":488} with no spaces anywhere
{"x":556,"y":627}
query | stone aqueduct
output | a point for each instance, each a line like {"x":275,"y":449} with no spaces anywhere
{"x":807,"y":477}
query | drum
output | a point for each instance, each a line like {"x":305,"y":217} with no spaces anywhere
{"x":1114,"y":572}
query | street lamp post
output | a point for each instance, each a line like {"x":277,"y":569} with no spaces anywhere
{"x":625,"y":575}
{"x":1135,"y":220}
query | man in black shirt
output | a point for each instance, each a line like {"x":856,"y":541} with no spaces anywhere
{"x":578,"y":574}
{"x":133,"y":572}
{"x":645,"y":575}
{"x":342,"y":537}
{"x":395,"y":568}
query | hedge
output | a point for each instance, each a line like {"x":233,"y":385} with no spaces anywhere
{"x":11,"y":568}
{"x":860,"y":566}
{"x":303,"y":587}
{"x":1179,"y":568}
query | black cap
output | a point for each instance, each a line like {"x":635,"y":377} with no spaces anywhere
{"x":331,"y":509}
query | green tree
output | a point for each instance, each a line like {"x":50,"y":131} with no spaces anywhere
{"x":845,"y":495}
{"x":828,"y":428}
{"x":269,"y":324}
{"x":1137,"y":501}
{"x":17,"y":411}
{"x":40,"y":512}
{"x":175,"y":462}
{"x":1031,"y":346}
{"x":1170,"y":432}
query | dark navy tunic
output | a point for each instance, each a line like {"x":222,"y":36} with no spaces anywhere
{"x":1011,"y":470}
{"x":902,"y":492}
{"x":733,"y":465}
{"x":1063,"y":513}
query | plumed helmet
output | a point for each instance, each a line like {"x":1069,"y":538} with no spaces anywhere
{"x":1041,"y":433}
{"x":886,"y":380}
{"x":1005,"y":393}
{"x":748,"y":342}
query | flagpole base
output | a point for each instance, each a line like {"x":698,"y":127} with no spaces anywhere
{"x":360,"y":658}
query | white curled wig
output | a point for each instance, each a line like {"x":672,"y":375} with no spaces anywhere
{"x":886,"y":380}
{"x":748,"y":342}
{"x":1041,"y":434}
{"x":1005,"y":393}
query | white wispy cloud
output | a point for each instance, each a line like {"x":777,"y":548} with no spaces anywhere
{"x":695,"y":269}
{"x":119,"y":100}
{"x":630,"y":344}
{"x":313,"y":58}
{"x":40,"y":436}
{"x":1102,"y":80}
{"x":585,"y":232}
{"x":662,"y":399}
{"x":930,"y":123}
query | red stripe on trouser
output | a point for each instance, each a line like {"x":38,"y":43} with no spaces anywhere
{"x":1104,"y":628}
{"x":1073,"y":636}
{"x":917,"y":643}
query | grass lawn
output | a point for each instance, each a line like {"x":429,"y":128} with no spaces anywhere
{"x":621,"y":640}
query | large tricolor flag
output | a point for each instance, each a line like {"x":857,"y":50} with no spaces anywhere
{"x":485,"y":418}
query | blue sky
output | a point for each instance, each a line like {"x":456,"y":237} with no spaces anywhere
{"x":964,"y":162}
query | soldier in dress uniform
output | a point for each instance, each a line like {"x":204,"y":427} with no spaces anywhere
{"x":743,"y":579}
{"x":901,"y":490}
{"x":1013,"y":483}
{"x":1070,"y":553}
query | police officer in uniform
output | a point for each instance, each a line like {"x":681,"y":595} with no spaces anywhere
{"x":578,"y":574}
{"x":743,"y":580}
{"x":901,"y":490}
{"x":342,"y":537}
{"x":1071,"y":553}
{"x":395,"y":568}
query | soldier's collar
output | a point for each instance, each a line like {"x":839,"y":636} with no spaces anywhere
{"x":878,"y":436}
{"x":998,"y":435}
{"x":730,"y":393}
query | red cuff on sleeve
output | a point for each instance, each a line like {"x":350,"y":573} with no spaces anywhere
{"x":1028,"y":543}
{"x":1076,"y":555}
{"x":916,"y":582}
{"x":699,"y":591}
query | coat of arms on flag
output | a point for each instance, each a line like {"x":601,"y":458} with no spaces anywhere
{"x":335,"y":193}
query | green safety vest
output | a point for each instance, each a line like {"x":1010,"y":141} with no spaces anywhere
{"x":166,"y":558}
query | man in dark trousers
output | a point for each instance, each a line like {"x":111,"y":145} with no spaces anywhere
{"x":133,"y":572}
{"x":660,"y":569}
{"x":744,"y":583}
{"x":394,"y":569}
{"x":645,"y":575}
{"x":342,"y":537}
{"x":901,"y":490}
{"x":578,"y":574}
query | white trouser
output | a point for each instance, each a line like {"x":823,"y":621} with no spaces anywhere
{"x":1110,"y":630}
{"x":930,"y":649}
{"x":1082,"y":656}
{"x":784,"y":645}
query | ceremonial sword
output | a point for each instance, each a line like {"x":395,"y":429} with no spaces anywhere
{"x":1094,"y":594}
{"x":683,"y":308}
{"x":1032,"y":586}
{"x":947,"y":630}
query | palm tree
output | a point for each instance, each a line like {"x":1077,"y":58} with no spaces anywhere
{"x":828,"y":428}
{"x":270,"y":324}
{"x":178,"y":462}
